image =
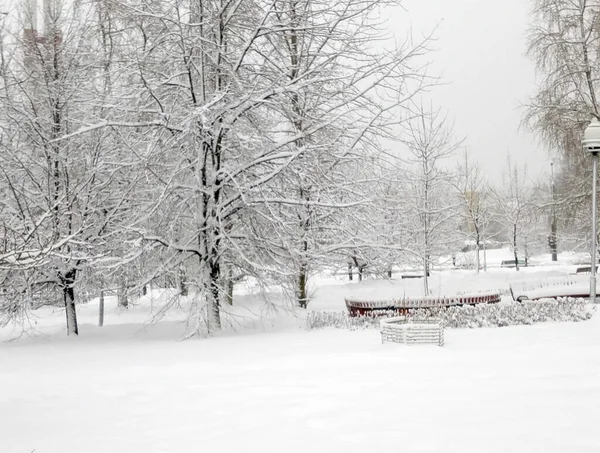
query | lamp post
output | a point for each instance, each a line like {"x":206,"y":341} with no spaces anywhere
{"x":591,"y":144}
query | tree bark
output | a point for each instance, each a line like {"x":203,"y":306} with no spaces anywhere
{"x":477,"y":245}
{"x":182,"y":282}
{"x":101,"y":310}
{"x":214,"y":296}
{"x":230,"y":290}
{"x":515,"y":246}
{"x":426,"y":276}
{"x":302,"y":292}
{"x":68,"y":283}
{"x":122,"y":299}
{"x":553,"y":241}
{"x":361,"y":270}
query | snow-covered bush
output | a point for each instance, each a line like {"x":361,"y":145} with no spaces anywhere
{"x":483,"y":315}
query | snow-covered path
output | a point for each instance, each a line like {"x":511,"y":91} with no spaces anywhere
{"x":519,"y":389}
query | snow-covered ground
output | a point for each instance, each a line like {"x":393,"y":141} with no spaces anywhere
{"x":272,"y":386}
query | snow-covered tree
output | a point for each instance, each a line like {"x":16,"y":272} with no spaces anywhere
{"x":431,"y":223}
{"x":513,"y":209}
{"x":472,"y":192}
{"x":64,"y":191}
{"x":563,"y":42}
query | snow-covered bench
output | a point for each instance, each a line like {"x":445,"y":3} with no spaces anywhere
{"x":576,"y":286}
{"x":406,"y":331}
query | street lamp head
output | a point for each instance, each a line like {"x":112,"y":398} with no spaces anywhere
{"x":591,"y":137}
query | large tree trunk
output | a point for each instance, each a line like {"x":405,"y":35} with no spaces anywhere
{"x":214,"y":296}
{"x":68,"y":283}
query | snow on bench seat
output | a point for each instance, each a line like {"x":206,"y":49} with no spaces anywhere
{"x":577,"y":286}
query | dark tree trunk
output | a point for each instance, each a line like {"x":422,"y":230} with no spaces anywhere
{"x":477,"y":246}
{"x":122,"y":298}
{"x":182,"y":282}
{"x":230,"y":290}
{"x":361,"y":270}
{"x":101,"y":310}
{"x":350,"y":271}
{"x":360,"y":267}
{"x":214,"y":321}
{"x":553,"y":242}
{"x":302,"y":291}
{"x":68,"y":289}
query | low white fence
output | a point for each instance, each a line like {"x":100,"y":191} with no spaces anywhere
{"x":404,"y":330}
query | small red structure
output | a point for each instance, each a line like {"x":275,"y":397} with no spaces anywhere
{"x":402,"y":306}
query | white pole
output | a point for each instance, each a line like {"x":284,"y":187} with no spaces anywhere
{"x":594,"y":219}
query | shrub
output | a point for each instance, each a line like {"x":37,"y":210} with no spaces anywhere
{"x":482,"y":315}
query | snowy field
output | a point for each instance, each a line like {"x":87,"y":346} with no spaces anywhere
{"x":269,"y":385}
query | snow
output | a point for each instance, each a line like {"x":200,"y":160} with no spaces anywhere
{"x":494,"y":258}
{"x":272,"y":386}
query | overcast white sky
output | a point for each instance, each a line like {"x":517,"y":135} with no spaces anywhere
{"x":482,"y":59}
